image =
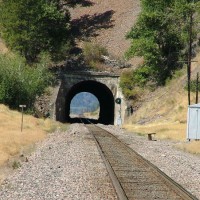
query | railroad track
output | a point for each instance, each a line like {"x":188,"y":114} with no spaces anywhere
{"x":134,"y":177}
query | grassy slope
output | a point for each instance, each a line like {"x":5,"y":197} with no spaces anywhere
{"x":12,"y":139}
{"x":14,"y":143}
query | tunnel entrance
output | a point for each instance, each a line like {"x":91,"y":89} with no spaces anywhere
{"x":101,"y":92}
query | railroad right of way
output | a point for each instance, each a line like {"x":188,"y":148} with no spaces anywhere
{"x":68,"y":166}
{"x":181,"y":166}
{"x":133,"y":176}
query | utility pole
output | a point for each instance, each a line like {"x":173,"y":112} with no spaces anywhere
{"x":189,"y":54}
{"x":197,"y":88}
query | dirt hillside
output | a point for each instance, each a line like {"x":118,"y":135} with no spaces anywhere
{"x":106,"y":22}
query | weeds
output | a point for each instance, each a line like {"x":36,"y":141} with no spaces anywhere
{"x":92,"y":53}
{"x":180,"y":108}
{"x":16,"y":164}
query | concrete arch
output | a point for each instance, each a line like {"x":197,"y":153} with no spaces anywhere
{"x":105,"y":86}
{"x":102,"y":93}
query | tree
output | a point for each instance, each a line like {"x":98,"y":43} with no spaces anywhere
{"x":35,"y":26}
{"x":160,"y":36}
{"x":21,"y":84}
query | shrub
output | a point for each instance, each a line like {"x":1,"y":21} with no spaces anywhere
{"x":92,"y":53}
{"x":131,"y":84}
{"x":19,"y":83}
{"x":193,"y":86}
{"x":16,"y":165}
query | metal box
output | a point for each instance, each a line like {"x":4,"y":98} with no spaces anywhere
{"x":193,"y":122}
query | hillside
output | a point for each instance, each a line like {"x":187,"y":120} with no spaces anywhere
{"x":106,"y":22}
{"x":109,"y":21}
{"x":164,"y":110}
{"x":84,"y":102}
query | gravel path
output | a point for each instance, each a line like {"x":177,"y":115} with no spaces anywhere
{"x":183,"y":167}
{"x":65,"y":166}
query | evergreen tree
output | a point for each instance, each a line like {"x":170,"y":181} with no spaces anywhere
{"x":35,"y":26}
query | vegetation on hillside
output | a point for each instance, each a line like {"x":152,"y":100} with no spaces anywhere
{"x":32,"y":27}
{"x":35,"y":28}
{"x":20,"y":84}
{"x":93,"y":53}
{"x":36,"y":33}
{"x":161,"y":37}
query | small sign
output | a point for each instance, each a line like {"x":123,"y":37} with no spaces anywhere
{"x":22,"y":106}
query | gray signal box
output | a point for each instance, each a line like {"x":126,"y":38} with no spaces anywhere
{"x":193,"y":122}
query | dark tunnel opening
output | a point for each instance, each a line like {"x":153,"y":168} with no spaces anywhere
{"x":101,"y":92}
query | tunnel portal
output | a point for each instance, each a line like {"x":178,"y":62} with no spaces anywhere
{"x":104,"y":86}
{"x":102,"y":93}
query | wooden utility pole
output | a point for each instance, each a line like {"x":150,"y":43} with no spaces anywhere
{"x":189,"y":54}
{"x":197,"y":88}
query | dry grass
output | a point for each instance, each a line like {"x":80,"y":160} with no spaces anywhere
{"x":168,"y":130}
{"x":165,"y":112}
{"x":13,"y":141}
{"x":191,"y":147}
{"x":174,"y":131}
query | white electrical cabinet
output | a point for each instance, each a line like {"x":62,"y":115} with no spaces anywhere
{"x":193,"y":122}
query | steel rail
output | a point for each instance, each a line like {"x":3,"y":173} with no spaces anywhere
{"x":170,"y":183}
{"x":118,"y":188}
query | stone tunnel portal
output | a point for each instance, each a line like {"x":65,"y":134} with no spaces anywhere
{"x":102,"y":93}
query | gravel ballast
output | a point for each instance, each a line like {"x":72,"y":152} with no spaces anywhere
{"x":182,"y":167}
{"x":68,"y":166}
{"x":64,"y":166}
